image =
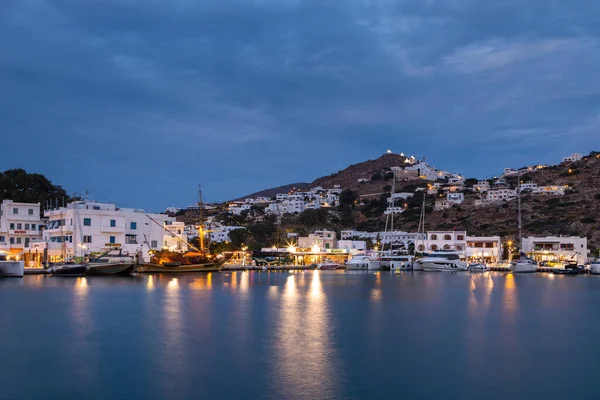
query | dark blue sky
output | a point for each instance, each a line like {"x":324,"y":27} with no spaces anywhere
{"x":139,"y":101}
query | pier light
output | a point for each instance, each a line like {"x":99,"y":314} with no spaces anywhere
{"x":315,"y":248}
{"x":291,"y":249}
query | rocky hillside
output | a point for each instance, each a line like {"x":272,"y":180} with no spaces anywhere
{"x":575,"y":213}
{"x":377,"y":172}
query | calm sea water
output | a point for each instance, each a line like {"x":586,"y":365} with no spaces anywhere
{"x":306,"y":335}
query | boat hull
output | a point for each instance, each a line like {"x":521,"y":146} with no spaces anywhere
{"x":69,"y":270}
{"x":111,"y":269}
{"x":328,"y":267}
{"x":523,"y":268}
{"x":155,"y":268}
{"x":401,"y":265}
{"x":358,"y":266}
{"x":441,"y":266}
{"x":12,"y":269}
{"x":595,"y":268}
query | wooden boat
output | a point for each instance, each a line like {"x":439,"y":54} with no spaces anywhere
{"x":176,"y":269}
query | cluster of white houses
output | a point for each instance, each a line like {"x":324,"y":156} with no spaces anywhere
{"x":290,"y":203}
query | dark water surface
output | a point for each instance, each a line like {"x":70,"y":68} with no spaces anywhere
{"x":306,"y":335}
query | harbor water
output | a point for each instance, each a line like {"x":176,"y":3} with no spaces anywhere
{"x":304,"y":335}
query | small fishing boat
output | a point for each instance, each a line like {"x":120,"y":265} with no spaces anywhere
{"x":10,"y":268}
{"x":68,"y":270}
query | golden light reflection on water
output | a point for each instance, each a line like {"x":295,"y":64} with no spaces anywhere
{"x":202,"y":283}
{"x":510,"y":301}
{"x":150,"y":283}
{"x":376,"y":294}
{"x":304,"y":358}
{"x":82,"y":329}
{"x":173,"y":324}
{"x":245,"y":282}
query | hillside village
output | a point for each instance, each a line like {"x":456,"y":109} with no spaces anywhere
{"x":350,"y":211}
{"x":355,"y":202}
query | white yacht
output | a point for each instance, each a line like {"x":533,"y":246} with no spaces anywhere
{"x":10,"y":268}
{"x":595,"y":267}
{"x":359,"y":262}
{"x":442,"y":261}
{"x":523,"y":265}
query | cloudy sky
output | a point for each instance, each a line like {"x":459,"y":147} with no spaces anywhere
{"x":139,"y":101}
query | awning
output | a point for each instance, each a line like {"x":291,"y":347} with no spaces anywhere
{"x":14,"y":250}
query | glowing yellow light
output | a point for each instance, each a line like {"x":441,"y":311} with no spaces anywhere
{"x":291,"y":249}
{"x":315,"y":248}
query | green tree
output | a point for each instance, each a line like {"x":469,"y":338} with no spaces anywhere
{"x":238,"y":237}
{"x":20,"y":186}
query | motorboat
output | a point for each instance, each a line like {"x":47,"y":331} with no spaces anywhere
{"x":328,"y":265}
{"x":595,"y":267}
{"x":400,"y":262}
{"x":566,"y":271}
{"x":442,"y":261}
{"x":359,"y":262}
{"x":11,"y":268}
{"x":68,"y":270}
{"x":523,"y":265}
{"x":477,"y":267}
{"x":112,"y":264}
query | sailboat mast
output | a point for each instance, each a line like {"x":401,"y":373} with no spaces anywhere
{"x":519,"y":208}
{"x":201,"y":222}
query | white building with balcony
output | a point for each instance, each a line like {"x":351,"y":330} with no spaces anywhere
{"x":220,"y":234}
{"x":485,"y":248}
{"x":549,"y":191}
{"x":445,"y":240}
{"x":562,"y":248}
{"x":500,"y":194}
{"x":175,"y":236}
{"x":19,"y":226}
{"x":455,"y":198}
{"x":86,"y":227}
{"x":481,"y":187}
{"x":530,"y":186}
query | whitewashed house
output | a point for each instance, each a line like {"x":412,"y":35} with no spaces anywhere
{"x":556,"y":248}
{"x":500,"y":194}
{"x":446,"y":240}
{"x":19,"y":226}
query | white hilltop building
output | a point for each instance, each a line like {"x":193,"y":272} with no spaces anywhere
{"x":572,"y":158}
